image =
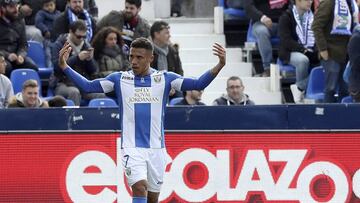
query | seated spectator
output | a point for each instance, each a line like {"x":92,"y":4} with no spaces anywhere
{"x":354,"y":56}
{"x":297,"y":45}
{"x":57,"y":101}
{"x":81,"y":59}
{"x":265,"y":15}
{"x":89,"y":5}
{"x":75,"y":11}
{"x":191,"y":97}
{"x":129,"y":22}
{"x":6,"y":89}
{"x":235,"y":94}
{"x":28,"y":97}
{"x":28,"y":10}
{"x":44,"y":21}
{"x":109,"y":52}
{"x":13,"y":43}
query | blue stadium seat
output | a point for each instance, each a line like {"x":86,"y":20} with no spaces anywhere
{"x":286,"y":70}
{"x":175,"y":101}
{"x":37,"y":53}
{"x":251,"y":38}
{"x":347,"y":100}
{"x":316,"y":84}
{"x":102,"y":102}
{"x":19,"y":76}
{"x":70,"y":102}
{"x":231,"y":11}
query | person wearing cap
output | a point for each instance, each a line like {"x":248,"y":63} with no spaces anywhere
{"x":13,"y":43}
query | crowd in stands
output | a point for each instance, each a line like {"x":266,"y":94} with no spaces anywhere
{"x":100,"y":46}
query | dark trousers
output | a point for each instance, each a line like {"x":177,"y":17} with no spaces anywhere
{"x":28,"y":63}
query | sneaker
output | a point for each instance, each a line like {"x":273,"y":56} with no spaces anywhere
{"x":297,"y":94}
{"x":266,"y":73}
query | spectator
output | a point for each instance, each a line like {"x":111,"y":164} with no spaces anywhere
{"x":297,"y":45}
{"x":13,"y":44}
{"x":75,"y":11}
{"x":331,"y":37}
{"x":44,"y":21}
{"x":176,"y":8}
{"x":28,"y":97}
{"x":57,"y":101}
{"x":81,"y":59}
{"x":166,"y":57}
{"x":130,"y":24}
{"x":89,"y":5}
{"x":235,"y":94}
{"x":354,"y":55}
{"x":108,"y":51}
{"x":6,"y":89}
{"x":191,"y":97}
{"x":265,"y":15}
{"x":28,"y":10}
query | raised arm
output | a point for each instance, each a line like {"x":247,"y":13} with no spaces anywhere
{"x":98,"y":85}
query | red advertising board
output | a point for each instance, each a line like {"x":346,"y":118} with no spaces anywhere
{"x":203,"y":167}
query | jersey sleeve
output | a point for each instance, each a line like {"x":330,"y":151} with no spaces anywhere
{"x":181,"y":83}
{"x":103,"y":85}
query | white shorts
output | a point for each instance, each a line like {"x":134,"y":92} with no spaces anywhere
{"x":144,"y":164}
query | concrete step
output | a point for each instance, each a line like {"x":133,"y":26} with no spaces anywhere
{"x":251,"y":84}
{"x":259,"y":97}
{"x":230,"y":69}
{"x":205,"y":55}
{"x":197,"y":40}
{"x":181,"y":26}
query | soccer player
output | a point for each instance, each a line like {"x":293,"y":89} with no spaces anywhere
{"x":142,"y":96}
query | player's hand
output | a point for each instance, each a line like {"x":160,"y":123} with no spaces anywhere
{"x":220,"y":52}
{"x":64,"y":55}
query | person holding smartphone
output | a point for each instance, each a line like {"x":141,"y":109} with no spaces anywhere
{"x":82,"y":60}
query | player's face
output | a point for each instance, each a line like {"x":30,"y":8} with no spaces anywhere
{"x":234,"y":89}
{"x":2,"y":65}
{"x":140,"y":60}
{"x":111,"y":40}
{"x":131,"y":10}
{"x":30,"y":96}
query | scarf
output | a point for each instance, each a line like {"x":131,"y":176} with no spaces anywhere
{"x":344,"y":20}
{"x":276,"y":4}
{"x":72,"y":18}
{"x":162,"y":53}
{"x":303,"y":29}
{"x":76,"y":49}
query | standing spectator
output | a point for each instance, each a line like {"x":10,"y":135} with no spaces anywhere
{"x":166,"y":57}
{"x":191,"y":97}
{"x":28,"y":10}
{"x":235,"y":94}
{"x":28,"y":97}
{"x":332,"y":37}
{"x":265,"y":15}
{"x":44,"y":21}
{"x":176,"y":8}
{"x":75,"y":11}
{"x":130,"y":24}
{"x":6,"y":89}
{"x":13,"y":44}
{"x":297,"y":45}
{"x":108,"y":51}
{"x":81,"y":59}
{"x":89,"y":5}
{"x":354,"y":55}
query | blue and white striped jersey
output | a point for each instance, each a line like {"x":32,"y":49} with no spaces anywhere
{"x":142,"y":101}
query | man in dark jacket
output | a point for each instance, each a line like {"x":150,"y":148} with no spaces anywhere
{"x":297,"y":44}
{"x":354,"y":55}
{"x":235,"y":94}
{"x":129,"y":22}
{"x":81,"y":60}
{"x":75,"y":11}
{"x":265,"y":15}
{"x":13,"y":43}
{"x":89,"y":5}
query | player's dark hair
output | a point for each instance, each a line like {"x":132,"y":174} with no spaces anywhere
{"x":142,"y":43}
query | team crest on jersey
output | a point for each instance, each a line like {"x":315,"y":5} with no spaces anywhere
{"x":157,"y":78}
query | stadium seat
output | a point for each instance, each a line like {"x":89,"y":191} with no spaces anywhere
{"x":316,"y":84}
{"x":19,"y":76}
{"x":231,"y":11}
{"x":37,"y":53}
{"x":175,"y":101}
{"x":347,"y":100}
{"x":70,"y":102}
{"x":286,"y":70}
{"x":102,"y":102}
{"x":251,"y":38}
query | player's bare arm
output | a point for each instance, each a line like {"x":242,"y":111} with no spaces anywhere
{"x":220,"y":52}
{"x":64,"y":55}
